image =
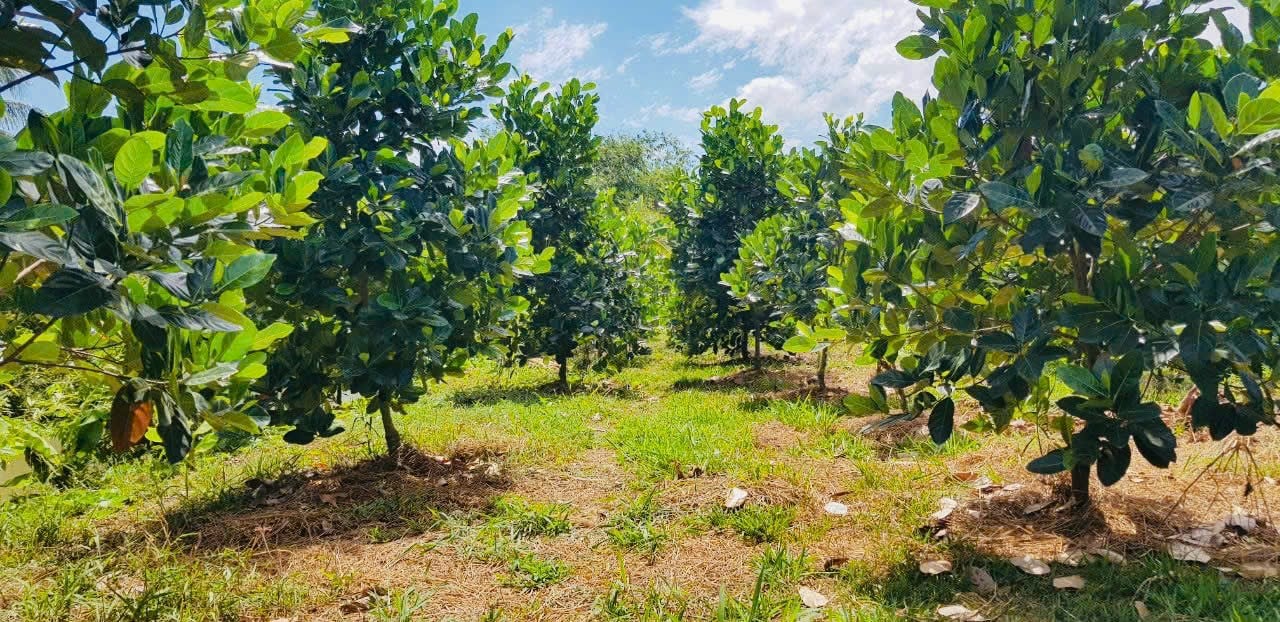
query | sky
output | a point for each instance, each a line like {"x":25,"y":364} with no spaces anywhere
{"x":659,"y":64}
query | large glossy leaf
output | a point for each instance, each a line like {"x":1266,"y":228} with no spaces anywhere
{"x":942,"y":421}
{"x":70,"y":291}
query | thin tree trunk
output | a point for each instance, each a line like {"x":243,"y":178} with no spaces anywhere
{"x":743,"y":345}
{"x":563,"y":362}
{"x":1080,"y":485}
{"x":390,"y":432}
{"x":822,"y":371}
{"x":759,"y":360}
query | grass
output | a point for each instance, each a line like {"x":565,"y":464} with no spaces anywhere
{"x":609,"y":507}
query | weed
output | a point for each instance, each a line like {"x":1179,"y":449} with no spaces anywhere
{"x":530,"y":572}
{"x":757,"y":523}
{"x":399,"y":606}
{"x":519,"y":518}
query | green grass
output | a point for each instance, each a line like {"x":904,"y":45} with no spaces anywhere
{"x":645,"y":458}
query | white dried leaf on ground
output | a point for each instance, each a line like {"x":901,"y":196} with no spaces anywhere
{"x":935,"y":567}
{"x":1141,"y":608}
{"x":961,"y":613}
{"x":1036,"y":507}
{"x":1072,"y":557}
{"x":835,"y":508}
{"x":1241,"y":520}
{"x":946,"y":506}
{"x":1073,"y":582}
{"x":737,"y":497}
{"x":1204,"y":537}
{"x":1258,"y":570}
{"x":813,"y":599}
{"x":982,"y":582}
{"x":1108,"y":555}
{"x":1031,"y":565}
{"x":1189,"y":553}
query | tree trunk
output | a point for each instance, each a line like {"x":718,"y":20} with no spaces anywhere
{"x":822,"y":371}
{"x":390,"y":432}
{"x":1080,"y":485}
{"x":563,"y":362}
{"x":759,"y":359}
{"x":743,"y":345}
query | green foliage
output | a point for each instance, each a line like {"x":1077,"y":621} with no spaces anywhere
{"x":586,"y":298}
{"x":1093,"y":193}
{"x":130,"y":217}
{"x":734,"y":187}
{"x":414,"y":246}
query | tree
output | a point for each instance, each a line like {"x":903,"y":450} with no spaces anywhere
{"x":638,"y":167}
{"x":414,"y":245}
{"x":129,"y":218}
{"x":735,"y":186}
{"x":1104,"y":212}
{"x":586,"y":297}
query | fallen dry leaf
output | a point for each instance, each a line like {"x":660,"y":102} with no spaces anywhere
{"x":1258,"y":570}
{"x":1108,"y":555}
{"x":1036,"y":507}
{"x":960,"y":612}
{"x":1031,"y":565}
{"x":1071,"y":557}
{"x":835,"y":508}
{"x":946,"y":506}
{"x":812,"y":598}
{"x":1241,"y":521}
{"x":935,"y":567}
{"x":1189,"y":553}
{"x":1141,"y":608}
{"x":1073,"y":582}
{"x":737,"y":497}
{"x":982,"y":582}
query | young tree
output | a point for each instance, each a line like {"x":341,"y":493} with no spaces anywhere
{"x":414,"y":245}
{"x":1113,"y":217}
{"x":586,"y":297}
{"x":128,"y":220}
{"x":735,"y":186}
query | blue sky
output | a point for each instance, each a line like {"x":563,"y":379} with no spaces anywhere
{"x":660,"y":63}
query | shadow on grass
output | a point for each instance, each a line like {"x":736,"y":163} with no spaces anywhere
{"x":382,"y":499}
{"x":528,"y":395}
{"x":765,"y":380}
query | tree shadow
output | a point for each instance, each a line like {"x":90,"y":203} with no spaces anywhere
{"x":766,"y":361}
{"x":766,"y":380}
{"x":528,"y":395}
{"x":382,"y":499}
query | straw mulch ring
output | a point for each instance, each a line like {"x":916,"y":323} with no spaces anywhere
{"x":406,"y":493}
{"x":1204,"y":515}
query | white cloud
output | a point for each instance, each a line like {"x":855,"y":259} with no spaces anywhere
{"x":557,"y":48}
{"x":819,"y":55}
{"x":705,"y":80}
{"x":666,"y":111}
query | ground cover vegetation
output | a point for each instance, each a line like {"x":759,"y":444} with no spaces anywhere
{"x":293,"y":295}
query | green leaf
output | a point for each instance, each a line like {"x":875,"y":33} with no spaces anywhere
{"x":133,"y":161}
{"x":960,"y":205}
{"x":916,"y":47}
{"x":1001,"y":195}
{"x":271,"y":334}
{"x":197,"y":320}
{"x":178,"y":148}
{"x":26,"y":163}
{"x":860,"y":405}
{"x":799,"y":344}
{"x":1124,"y":177}
{"x":6,"y":186}
{"x":1259,"y":116}
{"x":214,"y":374}
{"x":1089,"y":219}
{"x":70,"y":291}
{"x":942,"y":421}
{"x":1113,"y":463}
{"x":1266,"y":137}
{"x":37,"y":244}
{"x":1156,"y":442}
{"x":91,"y":184}
{"x":246,"y":271}
{"x":1081,"y":380}
{"x":894,"y":379}
{"x":1049,"y":464}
